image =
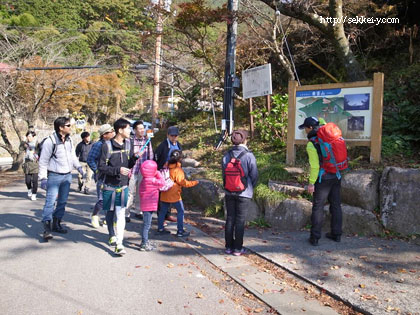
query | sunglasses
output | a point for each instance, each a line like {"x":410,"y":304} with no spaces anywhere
{"x":67,"y":125}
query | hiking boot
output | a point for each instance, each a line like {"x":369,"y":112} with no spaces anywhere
{"x":146,"y":247}
{"x":334,"y":237}
{"x":182,"y":233}
{"x":57,"y":226}
{"x":86,"y":191}
{"x":33,"y":197}
{"x":170,"y":218}
{"x":30,"y":193}
{"x":163,"y":232}
{"x":94,"y":220}
{"x":127,"y":220}
{"x":240,"y":252}
{"x":228,"y":251}
{"x":47,"y":231}
{"x":313,"y":241}
{"x":112,"y":241}
{"x":120,"y":250}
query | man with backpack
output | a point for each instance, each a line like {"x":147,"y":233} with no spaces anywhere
{"x":327,"y":156}
{"x":57,"y":160}
{"x":82,"y":152}
{"x":240,"y":176}
{"x":114,"y":166}
{"x":106,"y":133}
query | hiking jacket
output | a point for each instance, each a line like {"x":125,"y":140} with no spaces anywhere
{"x":249,"y":165}
{"x":62,"y":162}
{"x":161,"y":153}
{"x":149,"y":186}
{"x":82,"y":150}
{"x":110,"y":170}
{"x":177,"y":175}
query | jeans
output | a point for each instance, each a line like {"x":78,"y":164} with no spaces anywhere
{"x":147,"y":223}
{"x":58,"y":188}
{"x":235,"y":222}
{"x":328,"y":189}
{"x":99,"y":202}
{"x":164,"y":207}
{"x":31,"y":181}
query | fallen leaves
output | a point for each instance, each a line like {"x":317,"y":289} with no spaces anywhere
{"x":199,"y":295}
{"x":347,"y":275}
{"x":170,"y":265}
{"x":258,"y":310}
{"x":362,"y":286}
{"x":159,"y":301}
{"x":368,"y":297}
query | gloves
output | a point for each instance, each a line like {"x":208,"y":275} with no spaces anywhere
{"x":80,"y":170}
{"x":44,"y":183}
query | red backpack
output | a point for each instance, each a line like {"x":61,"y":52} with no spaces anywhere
{"x":333,"y":150}
{"x":235,"y":179}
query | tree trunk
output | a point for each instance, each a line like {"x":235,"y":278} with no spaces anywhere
{"x":17,"y":160}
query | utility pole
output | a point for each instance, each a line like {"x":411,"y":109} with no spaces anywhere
{"x":158,"y":54}
{"x":231,"y":80}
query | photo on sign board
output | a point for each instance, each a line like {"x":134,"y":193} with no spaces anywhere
{"x":356,"y":101}
{"x":356,"y":123}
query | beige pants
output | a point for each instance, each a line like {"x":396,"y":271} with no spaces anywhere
{"x":133,"y":202}
{"x":88,"y":172}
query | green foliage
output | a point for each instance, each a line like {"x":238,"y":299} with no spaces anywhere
{"x":215,"y":211}
{"x":396,"y":144}
{"x":272,"y":126}
{"x":187,"y":108}
{"x":259,"y":223}
{"x":401,"y":105}
{"x":263,"y":193}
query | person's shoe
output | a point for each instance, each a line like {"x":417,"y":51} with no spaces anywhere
{"x":94,"y":220}
{"x":47,"y":231}
{"x":127,"y":220}
{"x":170,"y":218}
{"x":104,"y":222}
{"x":57,"y":226}
{"x":139,"y":216}
{"x":146,"y":247}
{"x":313,"y":241}
{"x":86,"y":191}
{"x":112,"y":241}
{"x":241,"y":252}
{"x":80,"y":186}
{"x":33,"y":197}
{"x":182,"y":233}
{"x":30,"y":193}
{"x":228,"y":251}
{"x":163,"y":231}
{"x":120,"y":250}
{"x":335,"y":238}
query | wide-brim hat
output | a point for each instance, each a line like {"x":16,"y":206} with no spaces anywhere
{"x":104,"y":129}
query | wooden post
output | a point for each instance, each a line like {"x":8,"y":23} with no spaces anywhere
{"x":268,"y":98}
{"x":251,"y":118}
{"x":376,"y":132}
{"x":290,"y":155}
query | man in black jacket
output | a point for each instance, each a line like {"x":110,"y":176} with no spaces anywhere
{"x":82,"y":152}
{"x":114,"y":166}
{"x":163,"y":152}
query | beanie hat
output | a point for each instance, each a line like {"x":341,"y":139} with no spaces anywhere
{"x":239,"y":136}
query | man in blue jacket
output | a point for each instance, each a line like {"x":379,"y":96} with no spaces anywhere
{"x":237,"y":203}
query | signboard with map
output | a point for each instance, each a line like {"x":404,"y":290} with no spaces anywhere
{"x":349,"y":108}
{"x":356,"y":107}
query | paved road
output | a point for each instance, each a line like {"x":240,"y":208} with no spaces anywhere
{"x":77,"y":273}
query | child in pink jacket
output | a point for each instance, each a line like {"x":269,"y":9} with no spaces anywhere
{"x":149,"y":198}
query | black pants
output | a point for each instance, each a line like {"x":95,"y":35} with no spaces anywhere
{"x":31,"y":181}
{"x":328,"y":189}
{"x":235,"y":222}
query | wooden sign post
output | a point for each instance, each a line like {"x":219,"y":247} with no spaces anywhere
{"x":356,"y":107}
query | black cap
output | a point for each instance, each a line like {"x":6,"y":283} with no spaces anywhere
{"x":173,"y":131}
{"x":309,"y":122}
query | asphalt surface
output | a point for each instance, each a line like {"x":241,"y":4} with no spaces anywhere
{"x":77,"y":273}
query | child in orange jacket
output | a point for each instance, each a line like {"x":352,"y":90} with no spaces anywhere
{"x":173,"y":195}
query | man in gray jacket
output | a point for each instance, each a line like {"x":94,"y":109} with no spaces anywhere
{"x":57,"y":160}
{"x":239,"y":180}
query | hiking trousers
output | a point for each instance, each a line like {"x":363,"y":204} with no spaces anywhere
{"x":236,"y":208}
{"x":328,"y":189}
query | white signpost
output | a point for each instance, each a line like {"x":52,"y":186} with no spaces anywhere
{"x":257,"y":81}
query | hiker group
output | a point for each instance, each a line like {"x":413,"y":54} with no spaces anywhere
{"x":130,"y":177}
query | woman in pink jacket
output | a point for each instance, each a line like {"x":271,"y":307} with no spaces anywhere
{"x":149,"y":198}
